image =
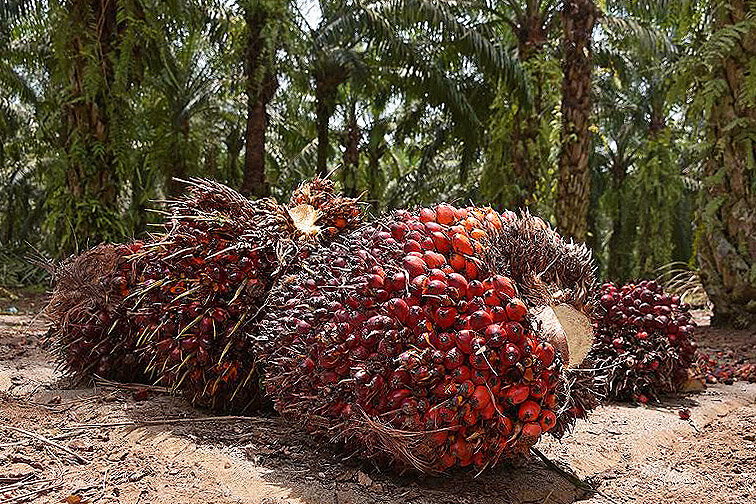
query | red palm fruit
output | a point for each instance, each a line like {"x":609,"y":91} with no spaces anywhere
{"x":461,"y":374}
{"x":643,"y":346}
{"x":516,"y":309}
{"x":435,"y":287}
{"x":491,"y":299}
{"x":446,"y":316}
{"x":427,"y":244}
{"x":468,"y":415}
{"x":550,"y":401}
{"x":415,"y":266}
{"x":453,"y":358}
{"x":458,"y":282}
{"x":510,"y":355}
{"x":531,"y":430}
{"x":478,"y":360}
{"x":480,"y":319}
{"x":516,"y":394}
{"x":503,"y":286}
{"x":547,"y":420}
{"x":412,"y":246}
{"x":432,"y":227}
{"x":480,"y":376}
{"x":446,"y":214}
{"x":475,"y":288}
{"x":463,"y":339}
{"x":376,"y":281}
{"x":397,"y":396}
{"x":545,"y":353}
{"x":444,"y":341}
{"x":398,"y":308}
{"x":398,"y":230}
{"x":441,"y":241}
{"x":427,"y":215}
{"x":529,"y":411}
{"x":514,"y":331}
{"x":537,"y":388}
{"x":494,"y":336}
{"x":481,"y":398}
{"x":472,"y":268}
{"x":457,"y":261}
{"x":434,"y":259}
{"x":398,"y":281}
{"x":499,"y":314}
{"x":418,"y":285}
{"x":488,"y":412}
{"x":479,"y":404}
{"x":461,"y":244}
{"x":437,"y":274}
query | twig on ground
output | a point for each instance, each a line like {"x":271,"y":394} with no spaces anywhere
{"x":59,"y":437}
{"x":21,"y":498}
{"x":165,"y":421}
{"x":50,"y":442}
{"x":104,"y":383}
{"x":22,"y":482}
{"x":572,"y":478}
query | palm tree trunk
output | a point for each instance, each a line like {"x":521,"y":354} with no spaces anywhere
{"x":351,"y":157}
{"x":578,"y":19}
{"x":260,"y":87}
{"x":90,"y":174}
{"x":527,"y":123}
{"x":326,"y":90}
{"x":727,"y":209}
{"x":322,"y":118}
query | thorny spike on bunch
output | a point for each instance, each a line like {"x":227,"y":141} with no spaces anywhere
{"x":407,"y":341}
{"x":194,"y":289}
{"x":644,"y":342}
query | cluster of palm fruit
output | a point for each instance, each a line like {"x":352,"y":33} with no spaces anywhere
{"x":423,"y":338}
{"x":644,"y":342}
{"x":410,"y":340}
{"x":183,"y":300}
{"x":92,"y":331}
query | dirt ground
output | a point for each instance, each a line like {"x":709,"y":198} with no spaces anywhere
{"x":60,"y":443}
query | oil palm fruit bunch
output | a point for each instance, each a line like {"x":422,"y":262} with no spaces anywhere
{"x":410,"y":341}
{"x":207,"y":277}
{"x":91,"y":332}
{"x":172,"y":308}
{"x":644,"y":342}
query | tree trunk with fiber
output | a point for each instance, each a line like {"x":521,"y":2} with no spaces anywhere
{"x":90,"y":186}
{"x":261,"y":86}
{"x":726,"y":243}
{"x":351,"y":157}
{"x":327,"y":81}
{"x":578,"y":19}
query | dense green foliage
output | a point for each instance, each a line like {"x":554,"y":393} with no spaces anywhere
{"x":404,"y":101}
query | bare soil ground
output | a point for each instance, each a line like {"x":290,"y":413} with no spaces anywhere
{"x":87,"y":454}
